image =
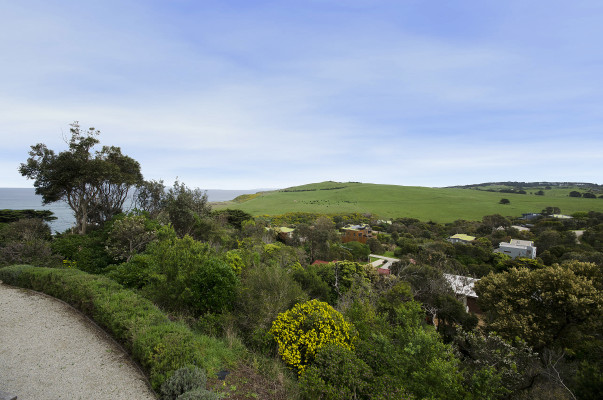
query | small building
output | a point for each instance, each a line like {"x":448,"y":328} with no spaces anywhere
{"x":356,"y":233}
{"x":463,"y":288}
{"x":461,"y":238}
{"x":530,"y":216}
{"x":520,"y":228}
{"x":517,"y":248}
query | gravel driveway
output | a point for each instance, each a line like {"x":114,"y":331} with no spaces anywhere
{"x":50,"y":351}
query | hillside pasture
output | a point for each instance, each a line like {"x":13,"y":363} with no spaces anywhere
{"x":391,"y":201}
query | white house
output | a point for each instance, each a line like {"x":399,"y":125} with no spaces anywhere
{"x":463,"y":287}
{"x":517,"y":248}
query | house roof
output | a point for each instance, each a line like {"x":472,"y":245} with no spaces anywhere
{"x":505,"y":245}
{"x":356,"y":227}
{"x":561,"y":216}
{"x":462,"y":285}
{"x":523,"y":243}
{"x":462,"y":236}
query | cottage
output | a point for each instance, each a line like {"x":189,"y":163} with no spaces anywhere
{"x":461,"y":238}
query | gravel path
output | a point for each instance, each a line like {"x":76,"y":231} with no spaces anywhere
{"x":50,"y":351}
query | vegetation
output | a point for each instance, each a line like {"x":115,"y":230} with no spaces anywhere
{"x":298,"y":314}
{"x":443,"y":205}
{"x":159,"y":345}
{"x":94,"y":185}
{"x":303,"y":330}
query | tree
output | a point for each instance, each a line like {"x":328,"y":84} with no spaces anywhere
{"x":551,"y":210}
{"x":504,"y":201}
{"x":358,"y":251}
{"x":375,"y":245}
{"x":186,"y":208}
{"x":318,"y":237}
{"x":128,"y":236}
{"x":234,"y":217}
{"x":575,"y":193}
{"x":150,"y":197}
{"x":496,"y":220}
{"x":589,"y":196}
{"x":552,"y":307}
{"x":94,"y":185}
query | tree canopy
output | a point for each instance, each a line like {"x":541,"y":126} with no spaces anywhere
{"x":95,"y":184}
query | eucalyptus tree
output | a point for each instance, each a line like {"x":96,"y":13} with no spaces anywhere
{"x":94,"y":183}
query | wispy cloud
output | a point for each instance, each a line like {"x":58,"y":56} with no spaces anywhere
{"x":230,"y":95}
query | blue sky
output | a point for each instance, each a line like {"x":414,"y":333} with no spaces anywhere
{"x":266,"y":94}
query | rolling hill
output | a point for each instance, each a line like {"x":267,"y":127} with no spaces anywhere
{"x":391,"y":201}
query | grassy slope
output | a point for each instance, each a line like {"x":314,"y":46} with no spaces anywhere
{"x":389,"y":201}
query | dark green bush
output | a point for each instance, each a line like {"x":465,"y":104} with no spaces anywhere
{"x":134,"y":274}
{"x":188,"y":277}
{"x":88,"y":251}
{"x":336,"y":374}
{"x":183,"y":380}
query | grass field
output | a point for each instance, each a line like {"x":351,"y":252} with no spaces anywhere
{"x":390,"y":201}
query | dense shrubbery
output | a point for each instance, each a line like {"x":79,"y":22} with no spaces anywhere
{"x":181,"y":275}
{"x":26,"y":241}
{"x":336,"y":373}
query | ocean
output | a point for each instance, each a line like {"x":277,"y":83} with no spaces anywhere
{"x":26,"y":198}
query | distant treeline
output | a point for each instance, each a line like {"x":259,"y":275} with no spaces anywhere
{"x":313,"y":190}
{"x":532,"y":184}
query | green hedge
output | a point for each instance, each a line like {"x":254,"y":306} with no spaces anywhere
{"x":157,"y":344}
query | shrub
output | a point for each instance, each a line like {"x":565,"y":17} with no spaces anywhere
{"x":189,"y":277}
{"x":336,"y":374}
{"x":88,"y":251}
{"x":303,"y":330}
{"x":183,"y":380}
{"x":264,"y":292}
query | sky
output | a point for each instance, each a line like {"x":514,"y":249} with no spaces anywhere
{"x":270,"y":94}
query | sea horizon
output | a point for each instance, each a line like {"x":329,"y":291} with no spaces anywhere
{"x":27,"y":199}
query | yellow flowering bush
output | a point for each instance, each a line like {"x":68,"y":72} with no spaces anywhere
{"x":302,"y":330}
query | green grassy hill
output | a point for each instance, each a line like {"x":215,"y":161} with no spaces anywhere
{"x":390,"y":201}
